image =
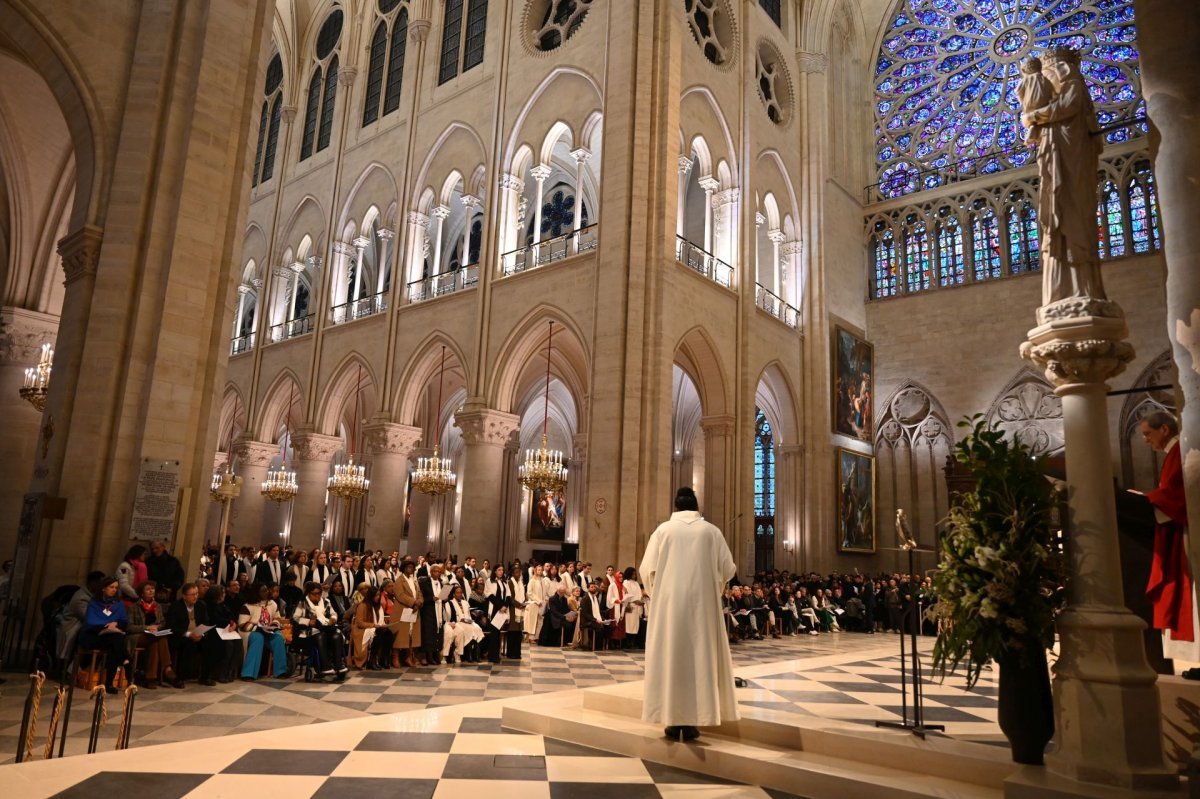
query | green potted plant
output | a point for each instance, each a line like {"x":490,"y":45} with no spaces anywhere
{"x":999,"y":582}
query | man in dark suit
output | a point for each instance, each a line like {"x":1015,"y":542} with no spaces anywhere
{"x":269,"y":571}
{"x":431,"y":614}
{"x":183,"y":618}
{"x":591,"y":616}
{"x":164,"y":568}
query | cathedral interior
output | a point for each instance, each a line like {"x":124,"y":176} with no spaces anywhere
{"x":773,"y":250}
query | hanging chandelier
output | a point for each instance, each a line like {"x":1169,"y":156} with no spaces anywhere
{"x":226,"y":485}
{"x":37,"y":379}
{"x":281,"y":485}
{"x":349,"y":479}
{"x":544,"y":468}
{"x":435,"y":475}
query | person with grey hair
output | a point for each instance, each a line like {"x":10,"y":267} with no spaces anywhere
{"x":1170,"y":586}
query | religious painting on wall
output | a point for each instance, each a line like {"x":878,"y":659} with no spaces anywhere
{"x":547,"y":516}
{"x":855,"y":501}
{"x":853,"y":376}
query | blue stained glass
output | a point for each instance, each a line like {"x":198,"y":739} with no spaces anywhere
{"x":1114,"y":227}
{"x":885,"y":265}
{"x":1139,"y":218}
{"x":951,"y":268}
{"x":916,"y":255}
{"x":985,"y":244}
{"x":947,"y":74}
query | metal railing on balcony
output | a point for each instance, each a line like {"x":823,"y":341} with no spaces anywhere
{"x":241,"y":344}
{"x":358,"y":309}
{"x":773,"y":304}
{"x":549,"y":250}
{"x":446,"y":283}
{"x":293,"y":328}
{"x":703,"y":262}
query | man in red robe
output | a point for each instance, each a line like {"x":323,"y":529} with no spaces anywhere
{"x":1170,"y":585}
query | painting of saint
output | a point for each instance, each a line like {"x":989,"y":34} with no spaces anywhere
{"x":547,"y":519}
{"x":853,"y":374}
{"x":856,"y":501}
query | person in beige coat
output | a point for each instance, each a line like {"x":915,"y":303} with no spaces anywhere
{"x":408,"y":597}
{"x":535,"y":599}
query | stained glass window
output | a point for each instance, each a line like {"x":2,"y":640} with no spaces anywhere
{"x":774,"y":10}
{"x":1022,"y":235}
{"x":395,"y":69}
{"x":947,"y":73}
{"x":918,"y":267}
{"x":272,"y":139}
{"x":883,"y":247}
{"x":310,"y":114}
{"x":764,"y":492}
{"x":476,"y":34}
{"x":985,"y":242}
{"x":1152,"y":200}
{"x":258,"y":151}
{"x":1112,"y":227}
{"x":1139,"y":218}
{"x":375,"y":74}
{"x":951,"y":270}
{"x":451,"y":40}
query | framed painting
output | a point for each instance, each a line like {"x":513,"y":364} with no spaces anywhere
{"x":548,"y":516}
{"x":853,"y":377}
{"x":855,"y":501}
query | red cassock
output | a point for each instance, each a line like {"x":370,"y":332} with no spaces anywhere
{"x":1170,"y":586}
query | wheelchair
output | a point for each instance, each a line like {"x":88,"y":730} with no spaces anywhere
{"x":308,"y":657}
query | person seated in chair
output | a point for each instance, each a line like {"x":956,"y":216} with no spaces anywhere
{"x":261,"y":620}
{"x":460,"y":632}
{"x":591,"y":616}
{"x":183,"y":618}
{"x":317,"y":621}
{"x":104,"y":629}
{"x":558,"y":629}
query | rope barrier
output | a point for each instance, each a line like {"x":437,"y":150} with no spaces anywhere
{"x":99,"y":717}
{"x":60,"y":701}
{"x":33,"y":705}
{"x":126,"y":717}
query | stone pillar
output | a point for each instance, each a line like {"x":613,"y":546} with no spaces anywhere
{"x":418,"y":227}
{"x":383,"y":261}
{"x":439,"y":213}
{"x":710,"y":185}
{"x":789,"y":494}
{"x":715,"y":502}
{"x":540,"y":173}
{"x":360,"y":244}
{"x":339,"y":278}
{"x":390,"y":446}
{"x":511,"y":188}
{"x":511,"y":495}
{"x":725,"y":232}
{"x":777,"y":238}
{"x":790,"y":268}
{"x":685,"y":169}
{"x":418,"y":517}
{"x":253,"y":459}
{"x":314,"y":453}
{"x":577,"y":510}
{"x":1108,"y":728}
{"x":581,"y":156}
{"x":485,"y":432}
{"x":469,"y":201}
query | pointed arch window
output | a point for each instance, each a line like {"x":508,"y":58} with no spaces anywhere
{"x":985,"y":242}
{"x":322,"y":88}
{"x":268,"y":126}
{"x":1111,"y":225}
{"x":1022,"y":236}
{"x":462,"y":44}
{"x":764,"y":492}
{"x":917,"y":265}
{"x":951,"y":264}
{"x":375,"y":74}
{"x":1143,"y":214}
{"x":395,"y":69}
{"x":385,"y":72}
{"x":883,"y":253}
{"x":774,"y":9}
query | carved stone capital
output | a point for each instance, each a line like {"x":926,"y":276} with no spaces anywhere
{"x":440,"y":212}
{"x":809,"y":62}
{"x":726,"y":197}
{"x":792,"y":248}
{"x":391,"y":439}
{"x":80,"y":252}
{"x":1080,"y":349}
{"x":316,"y":447}
{"x":759,"y":219}
{"x":346,"y":75}
{"x":776,"y":236}
{"x":709,"y":183}
{"x":418,"y":29}
{"x":486,"y":426}
{"x":417,"y":218}
{"x":255,"y":453}
{"x":469,"y":200}
{"x":385,"y":234}
{"x":245,"y":288}
{"x":288,"y":114}
{"x":22,"y":334}
{"x":511,"y":182}
{"x":540,"y":172}
{"x":343,"y":249}
{"x":685,"y":165}
{"x":581,"y":155}
{"x":720,"y":425}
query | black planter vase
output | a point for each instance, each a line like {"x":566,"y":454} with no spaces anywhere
{"x":1026,"y":707}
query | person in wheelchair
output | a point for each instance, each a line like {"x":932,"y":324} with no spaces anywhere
{"x":317,"y":623}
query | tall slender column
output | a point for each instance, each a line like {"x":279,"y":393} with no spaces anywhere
{"x":510,"y":501}
{"x":789,"y":459}
{"x":418,"y":224}
{"x":385,"y":241}
{"x":540,"y":173}
{"x":242,"y":290}
{"x":685,"y":169}
{"x":314,"y":453}
{"x":576,"y":495}
{"x":716,"y":503}
{"x":360,"y":244}
{"x":418,"y":516}
{"x":247,"y":517}
{"x":439,"y":213}
{"x":340,"y":277}
{"x":469,"y":202}
{"x":710,"y":185}
{"x":1108,"y":728}
{"x":777,"y":238}
{"x":511,"y":188}
{"x":791,"y":274}
{"x":486,"y":432}
{"x":390,"y":446}
{"x":726,"y":229}
{"x":581,"y":158}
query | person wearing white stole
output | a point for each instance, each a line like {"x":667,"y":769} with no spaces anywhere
{"x":632,"y":602}
{"x":689,"y":671}
{"x":535,"y":599}
{"x":516,"y":587}
{"x":459,"y":630}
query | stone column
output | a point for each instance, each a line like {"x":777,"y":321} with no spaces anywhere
{"x":360,"y":244}
{"x":791,"y":252}
{"x":339,"y":277}
{"x":511,"y":495}
{"x":486,"y":432}
{"x":577,"y":510}
{"x":418,"y":225}
{"x":469,"y":201}
{"x":314,"y":453}
{"x":715,"y":502}
{"x":1167,"y":36}
{"x":581,"y":156}
{"x":777,"y":238}
{"x":685,"y":169}
{"x":710,"y":185}
{"x":242,"y":290}
{"x":1108,"y":728}
{"x":789,"y":493}
{"x":418,"y":518}
{"x":390,"y":446}
{"x":253,"y":459}
{"x":725,"y":232}
{"x":540,"y":173}
{"x":511,"y":188}
{"x":383,"y":261}
{"x":439,"y":213}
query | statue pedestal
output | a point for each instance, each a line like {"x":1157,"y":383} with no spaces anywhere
{"x":1108,"y":727}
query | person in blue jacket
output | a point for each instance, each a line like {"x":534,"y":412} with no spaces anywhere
{"x":104,"y":629}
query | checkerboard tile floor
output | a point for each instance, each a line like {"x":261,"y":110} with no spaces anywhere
{"x":478,"y":759}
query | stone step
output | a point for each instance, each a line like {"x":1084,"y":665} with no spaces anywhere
{"x":809,"y":757}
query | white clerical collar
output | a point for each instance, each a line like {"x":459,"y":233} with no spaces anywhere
{"x":1174,"y":442}
{"x":686,"y":516}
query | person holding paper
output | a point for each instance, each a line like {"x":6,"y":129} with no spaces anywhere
{"x":316,"y":619}
{"x":187,"y":619}
{"x":143,"y":630}
{"x":403,"y":621}
{"x":229,"y":643}
{"x":632,"y":606}
{"x":460,"y":631}
{"x":260,"y":620}
{"x":104,"y":629}
{"x":371,"y":637}
{"x":689,"y":671}
{"x":431,"y":614}
{"x":535,"y":604}
{"x":557,"y":628}
{"x":497,"y":590}
{"x":516,"y":586}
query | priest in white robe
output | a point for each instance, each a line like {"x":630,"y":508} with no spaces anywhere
{"x":689,"y":671}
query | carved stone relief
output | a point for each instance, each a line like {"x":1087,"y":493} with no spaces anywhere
{"x":1028,"y":410}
